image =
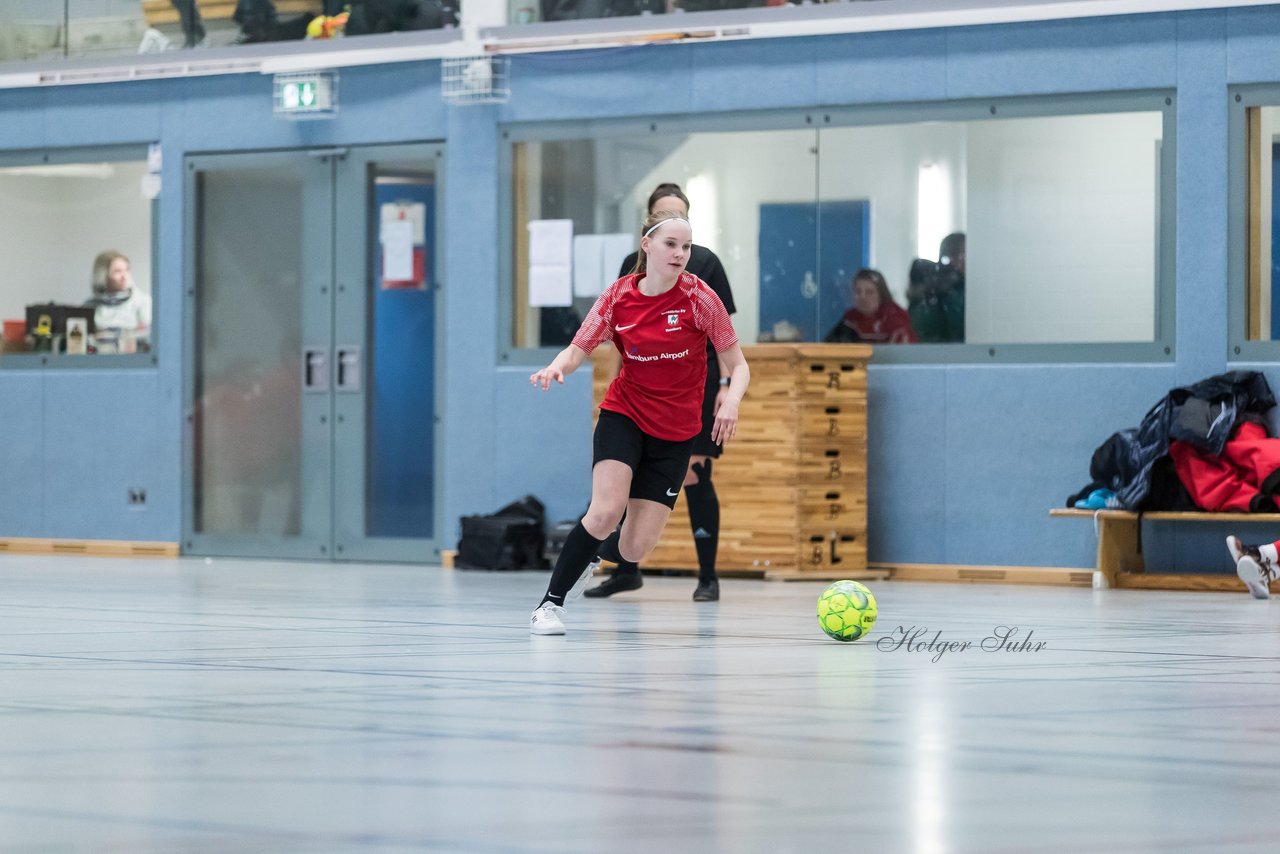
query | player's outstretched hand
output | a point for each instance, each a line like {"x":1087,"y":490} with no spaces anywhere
{"x":725,"y":425}
{"x":544,"y":377}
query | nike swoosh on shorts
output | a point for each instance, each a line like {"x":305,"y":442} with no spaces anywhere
{"x":671,"y":494}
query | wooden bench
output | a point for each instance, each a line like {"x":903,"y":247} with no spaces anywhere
{"x":1120,"y":560}
{"x":162,"y":11}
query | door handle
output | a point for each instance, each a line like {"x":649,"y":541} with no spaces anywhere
{"x":348,"y":369}
{"x":315,"y":373}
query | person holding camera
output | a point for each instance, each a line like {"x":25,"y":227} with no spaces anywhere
{"x":875,"y":318}
{"x":935,"y":294}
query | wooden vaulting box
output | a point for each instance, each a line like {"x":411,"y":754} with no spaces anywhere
{"x":793,"y":484}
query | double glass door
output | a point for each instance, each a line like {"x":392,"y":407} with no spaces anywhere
{"x":311,"y":381}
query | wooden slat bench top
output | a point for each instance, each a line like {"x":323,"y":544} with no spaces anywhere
{"x":1169,"y":515}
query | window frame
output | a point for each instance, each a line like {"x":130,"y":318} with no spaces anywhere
{"x":114,"y":153}
{"x":1164,"y":101}
{"x":1240,"y":99}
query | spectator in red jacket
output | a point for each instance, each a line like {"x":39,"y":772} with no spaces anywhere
{"x":875,"y":318}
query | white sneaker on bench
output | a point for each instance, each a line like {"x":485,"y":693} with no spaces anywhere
{"x":1254,"y":570}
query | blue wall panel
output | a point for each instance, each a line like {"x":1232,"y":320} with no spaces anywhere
{"x":21,"y":118}
{"x":732,"y":76}
{"x":590,"y":84}
{"x":965,"y":461}
{"x":1202,"y":200}
{"x":1252,"y":35}
{"x":1002,"y":454}
{"x":101,"y":439}
{"x":881,"y":67}
{"x":118,"y":112}
{"x":906,"y":464}
{"x":538,"y":451}
{"x":473,"y":428}
{"x":1081,"y":55}
{"x":22,"y":460}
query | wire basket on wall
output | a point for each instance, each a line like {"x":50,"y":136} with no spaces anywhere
{"x":475,"y":79}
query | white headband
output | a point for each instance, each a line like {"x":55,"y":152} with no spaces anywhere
{"x":661,"y":223}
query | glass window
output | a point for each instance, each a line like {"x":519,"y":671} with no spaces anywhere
{"x":602,"y":186}
{"x":1262,"y":129}
{"x":978,"y":226}
{"x":1253,"y":223}
{"x":75,"y":232}
{"x":41,"y":30}
{"x":531,"y":11}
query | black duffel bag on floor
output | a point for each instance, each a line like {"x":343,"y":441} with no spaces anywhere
{"x":512,"y":538}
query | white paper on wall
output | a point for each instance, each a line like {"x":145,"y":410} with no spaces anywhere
{"x":151,"y":185}
{"x":616,"y":249}
{"x":551,"y":242}
{"x":397,"y":250}
{"x":413,"y":212}
{"x":588,"y":265}
{"x":550,"y":285}
{"x":596,"y":259}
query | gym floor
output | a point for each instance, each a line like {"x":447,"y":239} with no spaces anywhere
{"x":185,"y":705}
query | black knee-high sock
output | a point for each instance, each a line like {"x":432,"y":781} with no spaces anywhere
{"x":609,"y":551}
{"x":579,"y":550}
{"x":704,"y":519}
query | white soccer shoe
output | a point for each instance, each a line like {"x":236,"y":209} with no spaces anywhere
{"x":579,"y":586}
{"x":546,"y":620}
{"x":1254,"y":570}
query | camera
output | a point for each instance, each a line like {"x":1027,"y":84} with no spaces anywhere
{"x":932,"y":279}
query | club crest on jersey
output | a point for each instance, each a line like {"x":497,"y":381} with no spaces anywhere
{"x":673,"y":318}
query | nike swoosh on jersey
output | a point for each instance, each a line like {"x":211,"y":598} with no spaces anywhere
{"x":625,"y":328}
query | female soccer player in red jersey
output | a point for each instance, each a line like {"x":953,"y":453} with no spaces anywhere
{"x":660,"y":319}
{"x":700,"y":497}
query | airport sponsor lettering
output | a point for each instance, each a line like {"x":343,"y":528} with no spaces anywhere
{"x":638,"y":358}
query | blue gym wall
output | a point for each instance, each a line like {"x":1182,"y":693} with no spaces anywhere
{"x":965,"y":460}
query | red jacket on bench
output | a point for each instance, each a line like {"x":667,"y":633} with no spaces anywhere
{"x":1243,"y":479}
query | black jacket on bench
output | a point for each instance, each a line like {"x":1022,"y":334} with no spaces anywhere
{"x":1135,"y":463}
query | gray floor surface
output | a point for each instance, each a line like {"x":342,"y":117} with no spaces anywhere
{"x":244,"y":706}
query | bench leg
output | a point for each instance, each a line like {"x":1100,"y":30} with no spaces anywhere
{"x":1119,"y":547}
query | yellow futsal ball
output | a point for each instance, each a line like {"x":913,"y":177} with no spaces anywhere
{"x":846,"y":610}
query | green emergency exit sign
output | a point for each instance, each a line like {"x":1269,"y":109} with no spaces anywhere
{"x":311,"y":94}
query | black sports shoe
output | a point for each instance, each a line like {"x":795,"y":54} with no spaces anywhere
{"x":707,"y":591}
{"x":616,"y":583}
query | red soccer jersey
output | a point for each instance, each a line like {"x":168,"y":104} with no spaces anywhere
{"x":663,"y":342}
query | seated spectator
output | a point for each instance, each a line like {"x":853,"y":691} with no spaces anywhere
{"x":573,"y":10}
{"x":258,"y":21}
{"x":116,"y":302}
{"x":875,"y":318}
{"x":193,"y":32}
{"x":390,"y":16}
